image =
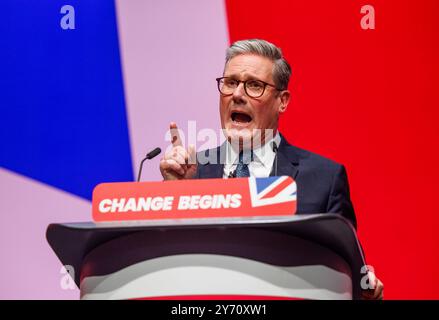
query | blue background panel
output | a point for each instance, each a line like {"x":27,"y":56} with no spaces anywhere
{"x":63,"y":119}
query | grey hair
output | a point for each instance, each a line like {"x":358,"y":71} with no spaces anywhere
{"x":281,"y":70}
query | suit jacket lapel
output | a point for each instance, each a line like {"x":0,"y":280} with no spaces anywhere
{"x":287,"y":160}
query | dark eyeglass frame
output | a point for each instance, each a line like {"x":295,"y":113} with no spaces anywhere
{"x":218,"y":81}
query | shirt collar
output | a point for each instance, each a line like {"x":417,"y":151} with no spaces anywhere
{"x":263,"y":154}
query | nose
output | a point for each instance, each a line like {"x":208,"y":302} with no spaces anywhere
{"x":239,"y":94}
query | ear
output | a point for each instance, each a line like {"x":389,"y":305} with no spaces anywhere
{"x":284,"y":97}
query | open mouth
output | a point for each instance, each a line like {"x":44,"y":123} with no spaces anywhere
{"x":240,"y":117}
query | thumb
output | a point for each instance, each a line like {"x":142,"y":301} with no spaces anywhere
{"x":372,"y":279}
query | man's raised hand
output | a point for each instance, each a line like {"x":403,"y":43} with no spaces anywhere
{"x":178,"y":163}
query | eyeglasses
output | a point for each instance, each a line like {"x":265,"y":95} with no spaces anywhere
{"x":253,"y":88}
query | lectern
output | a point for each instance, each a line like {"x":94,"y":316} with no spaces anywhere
{"x":315,"y":256}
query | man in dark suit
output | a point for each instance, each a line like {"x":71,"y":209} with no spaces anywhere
{"x":253,"y":94}
{"x":322,"y":184}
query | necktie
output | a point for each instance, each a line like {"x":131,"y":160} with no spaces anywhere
{"x":242,"y":167}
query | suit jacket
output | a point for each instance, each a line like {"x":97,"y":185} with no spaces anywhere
{"x":322,"y":184}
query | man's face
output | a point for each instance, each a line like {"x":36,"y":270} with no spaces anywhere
{"x":241,"y":114}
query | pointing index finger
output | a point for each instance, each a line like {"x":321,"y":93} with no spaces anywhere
{"x":175,"y":136}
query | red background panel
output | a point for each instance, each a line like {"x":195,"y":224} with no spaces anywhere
{"x":368,"y":99}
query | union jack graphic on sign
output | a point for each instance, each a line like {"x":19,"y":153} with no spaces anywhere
{"x":272,"y":190}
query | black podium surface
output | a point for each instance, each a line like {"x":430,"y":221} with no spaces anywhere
{"x":75,"y":243}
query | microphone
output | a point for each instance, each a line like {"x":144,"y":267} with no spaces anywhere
{"x":149,"y":156}
{"x":275,"y":149}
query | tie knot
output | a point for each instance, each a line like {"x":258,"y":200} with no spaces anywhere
{"x":242,"y":169}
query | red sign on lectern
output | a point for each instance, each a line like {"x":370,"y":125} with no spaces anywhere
{"x":193,"y":199}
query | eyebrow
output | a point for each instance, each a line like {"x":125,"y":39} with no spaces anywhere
{"x":248,"y":77}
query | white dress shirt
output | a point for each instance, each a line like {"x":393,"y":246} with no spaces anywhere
{"x":263,"y":158}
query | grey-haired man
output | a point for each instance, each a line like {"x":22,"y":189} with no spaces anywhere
{"x":253,"y":94}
